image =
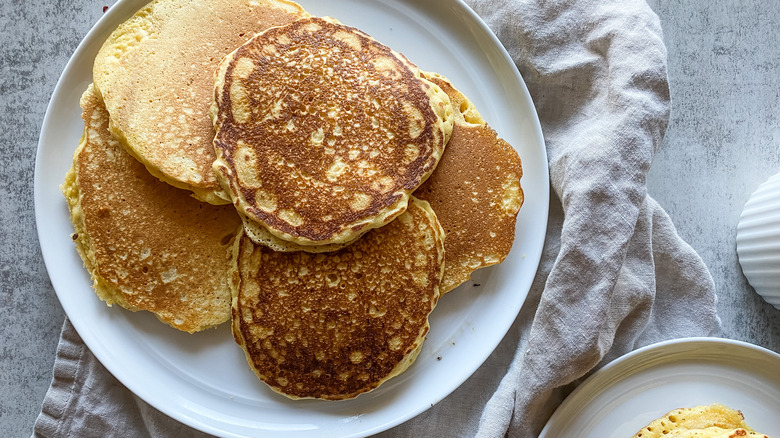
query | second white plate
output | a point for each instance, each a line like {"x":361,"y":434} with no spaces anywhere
{"x":630,"y":392}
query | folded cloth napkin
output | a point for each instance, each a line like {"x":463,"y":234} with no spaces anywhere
{"x":622,"y":278}
{"x":614,"y":274}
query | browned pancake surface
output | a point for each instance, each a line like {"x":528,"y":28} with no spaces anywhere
{"x":147,"y":245}
{"x":335,"y":325}
{"x":323,"y":132}
{"x":475,"y":192}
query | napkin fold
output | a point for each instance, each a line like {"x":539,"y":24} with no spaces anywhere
{"x":622,"y":277}
{"x":614,"y":275}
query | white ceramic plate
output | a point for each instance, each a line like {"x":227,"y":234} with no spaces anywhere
{"x":631,"y":391}
{"x":203,"y":380}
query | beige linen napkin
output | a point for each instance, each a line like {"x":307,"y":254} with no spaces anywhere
{"x":614,"y":275}
{"x":622,"y":278}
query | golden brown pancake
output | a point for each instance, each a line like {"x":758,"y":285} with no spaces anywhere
{"x":336,"y":325}
{"x":323,"y":132}
{"x":147,"y":245}
{"x":156,"y":75}
{"x":475,"y":192}
{"x":707,"y":418}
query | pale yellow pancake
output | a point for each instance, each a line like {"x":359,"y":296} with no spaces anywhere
{"x":335,"y":325}
{"x":323,"y":133}
{"x":147,"y":245}
{"x":475,"y":192}
{"x":155,"y":73}
{"x":715,"y":432}
{"x":684,"y":421}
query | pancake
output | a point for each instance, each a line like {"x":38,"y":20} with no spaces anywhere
{"x":147,"y":245}
{"x":335,"y":325}
{"x":323,"y":133}
{"x":262,"y":236}
{"x":155,"y":73}
{"x":715,"y":416}
{"x":715,"y":432}
{"x":475,"y":192}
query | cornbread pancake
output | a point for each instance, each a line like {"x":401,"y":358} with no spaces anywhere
{"x":475,"y":192}
{"x":156,"y":75}
{"x":697,"y":418}
{"x":262,"y":236}
{"x":147,"y":245}
{"x":323,"y":132}
{"x":339,"y":324}
{"x":715,"y":432}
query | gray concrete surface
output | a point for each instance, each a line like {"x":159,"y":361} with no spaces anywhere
{"x":722,"y":142}
{"x":38,"y":37}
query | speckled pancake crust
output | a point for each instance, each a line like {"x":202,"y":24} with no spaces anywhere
{"x":475,"y":192}
{"x":335,"y":325}
{"x":156,"y":75}
{"x":323,"y":132}
{"x":715,"y":432}
{"x":699,"y":421}
{"x":147,"y":245}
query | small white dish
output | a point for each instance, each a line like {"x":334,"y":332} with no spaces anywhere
{"x":758,"y":240}
{"x":635,"y":389}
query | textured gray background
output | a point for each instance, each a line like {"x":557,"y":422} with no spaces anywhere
{"x":723,"y":141}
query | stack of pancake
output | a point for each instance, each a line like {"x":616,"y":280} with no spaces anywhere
{"x":346,"y":167}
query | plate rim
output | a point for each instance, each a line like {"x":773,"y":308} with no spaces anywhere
{"x":115,"y":13}
{"x":572,"y":401}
